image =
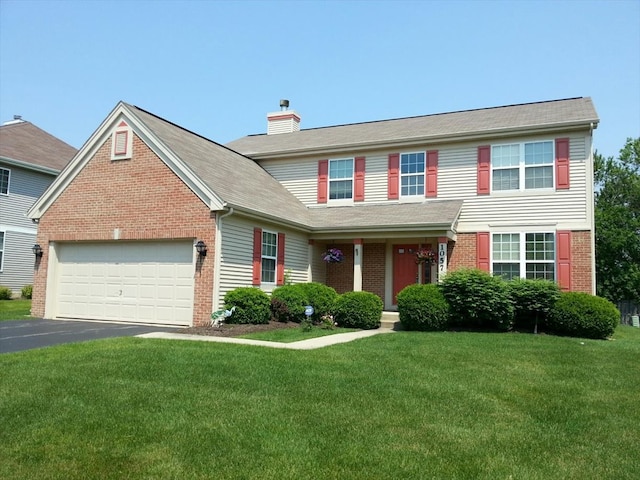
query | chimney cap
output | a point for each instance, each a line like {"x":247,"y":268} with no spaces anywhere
{"x":17,"y":117}
{"x":284,"y":104}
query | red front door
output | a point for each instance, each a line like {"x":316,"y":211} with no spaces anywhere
{"x":405,"y":269}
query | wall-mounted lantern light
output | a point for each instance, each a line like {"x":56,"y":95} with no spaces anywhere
{"x":201,"y":248}
{"x":37,"y":250}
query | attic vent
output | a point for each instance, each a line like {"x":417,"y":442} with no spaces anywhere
{"x":121,"y":142}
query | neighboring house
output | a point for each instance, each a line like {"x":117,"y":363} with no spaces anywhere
{"x":507,"y":189}
{"x":30,"y":159}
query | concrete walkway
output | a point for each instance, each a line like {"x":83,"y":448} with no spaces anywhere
{"x":310,"y":344}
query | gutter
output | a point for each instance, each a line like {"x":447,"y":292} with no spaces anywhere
{"x":30,"y":166}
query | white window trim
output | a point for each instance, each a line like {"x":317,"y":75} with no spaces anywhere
{"x":341,"y":201}
{"x":401,"y":175}
{"x":269,"y":257}
{"x":523,"y":251}
{"x":129,"y":145}
{"x":522,"y":167}
{"x":8,"y":181}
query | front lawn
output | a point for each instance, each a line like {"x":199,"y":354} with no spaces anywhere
{"x":288,"y":335}
{"x":15,"y":309}
{"x":406,"y":405}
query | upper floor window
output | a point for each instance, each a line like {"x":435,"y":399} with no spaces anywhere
{"x":4,"y":181}
{"x":525,"y":255}
{"x":269,"y":257}
{"x":412,"y":174}
{"x":341,"y":179}
{"x":522,"y":166}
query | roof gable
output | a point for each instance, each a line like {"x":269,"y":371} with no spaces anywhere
{"x":30,"y":146}
{"x":432,"y":128}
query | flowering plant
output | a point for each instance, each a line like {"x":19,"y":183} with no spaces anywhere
{"x":425,"y":256}
{"x":333,"y":255}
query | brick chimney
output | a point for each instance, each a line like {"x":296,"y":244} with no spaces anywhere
{"x":284,"y":121}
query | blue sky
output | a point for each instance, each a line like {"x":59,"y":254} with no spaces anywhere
{"x":217,"y":67}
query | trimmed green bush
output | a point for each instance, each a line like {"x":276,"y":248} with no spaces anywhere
{"x":532,"y":301}
{"x":423,"y":307}
{"x":252,"y":305}
{"x":287,"y":303}
{"x":478,"y":300}
{"x":27,"y":292}
{"x":358,"y":310}
{"x":578,"y":314}
{"x":5,"y":293}
{"x":321,"y":297}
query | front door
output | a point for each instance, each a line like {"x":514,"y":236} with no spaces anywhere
{"x":405,"y":269}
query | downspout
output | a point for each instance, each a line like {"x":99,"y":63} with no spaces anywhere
{"x":218,"y":259}
{"x":593,"y":213}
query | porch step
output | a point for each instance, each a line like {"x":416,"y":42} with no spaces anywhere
{"x":390,"y":320}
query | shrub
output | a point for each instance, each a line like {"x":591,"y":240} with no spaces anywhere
{"x":252,"y":305}
{"x":532,"y":301}
{"x":27,"y":292}
{"x":321,"y":297}
{"x":578,"y":314}
{"x":477,"y":299}
{"x":5,"y":293}
{"x":423,"y":307}
{"x":358,"y":310}
{"x":287,"y":303}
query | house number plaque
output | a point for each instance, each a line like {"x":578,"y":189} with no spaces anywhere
{"x":442,"y":259}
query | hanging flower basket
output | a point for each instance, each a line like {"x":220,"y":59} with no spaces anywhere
{"x":333,"y":255}
{"x":424,"y":255}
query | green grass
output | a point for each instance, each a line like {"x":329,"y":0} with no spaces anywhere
{"x":288,"y":335}
{"x":406,"y":405}
{"x":15,"y":309}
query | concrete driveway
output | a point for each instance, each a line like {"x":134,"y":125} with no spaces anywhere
{"x":20,"y":335}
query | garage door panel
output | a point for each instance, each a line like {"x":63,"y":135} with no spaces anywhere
{"x":149,"y":282}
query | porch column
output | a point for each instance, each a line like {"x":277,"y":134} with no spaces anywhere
{"x":310,"y":251}
{"x":357,"y":265}
{"x":442,"y":256}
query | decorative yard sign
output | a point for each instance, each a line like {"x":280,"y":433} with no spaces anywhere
{"x":442,"y":257}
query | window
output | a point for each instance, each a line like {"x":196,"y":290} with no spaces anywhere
{"x":412,"y":174}
{"x":4,"y":181}
{"x":341,"y":179}
{"x":528,"y":255}
{"x":1,"y":250}
{"x":522,"y":166}
{"x":269,"y":257}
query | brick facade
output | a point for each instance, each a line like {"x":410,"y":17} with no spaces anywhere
{"x":142,"y":198}
{"x":373,"y":268}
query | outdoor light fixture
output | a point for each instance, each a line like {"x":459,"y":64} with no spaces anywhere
{"x":201,"y":248}
{"x":37,"y":250}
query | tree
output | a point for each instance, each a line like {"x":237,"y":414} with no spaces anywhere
{"x":617,"y":219}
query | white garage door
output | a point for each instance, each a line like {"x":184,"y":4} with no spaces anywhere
{"x":150,"y":282}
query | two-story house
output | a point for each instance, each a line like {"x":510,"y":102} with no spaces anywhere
{"x":153,"y":223}
{"x":30,"y":159}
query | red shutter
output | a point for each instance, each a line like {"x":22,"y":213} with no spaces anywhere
{"x":280,"y":260}
{"x":257,"y":256}
{"x":484,"y":170}
{"x":432,"y":174}
{"x":563,"y":251}
{"x":359,"y":187}
{"x":323,"y":179}
{"x":562,"y":163}
{"x":482,"y":251}
{"x":392,"y":176}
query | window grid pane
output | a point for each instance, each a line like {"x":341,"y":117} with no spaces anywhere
{"x":268,"y":270}
{"x":340,"y":189}
{"x":341,"y":179}
{"x":506,"y":246}
{"x":339,"y":169}
{"x":412,"y":163}
{"x":538,"y":153}
{"x":412,"y":185}
{"x":540,"y":271}
{"x":538,"y":177}
{"x":4,"y":181}
{"x":505,"y":155}
{"x":269,"y":252}
{"x":540,"y":247}
{"x":412,"y":174}
{"x":508,"y":271}
{"x":506,"y":179}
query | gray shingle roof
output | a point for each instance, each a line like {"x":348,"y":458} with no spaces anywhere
{"x":531,"y":116}
{"x":27,"y":143}
{"x":236,"y":179}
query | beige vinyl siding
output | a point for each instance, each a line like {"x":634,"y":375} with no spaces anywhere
{"x":25,"y":186}
{"x":375,"y":178}
{"x":300,"y":177}
{"x":237,"y":254}
{"x":17,"y":260}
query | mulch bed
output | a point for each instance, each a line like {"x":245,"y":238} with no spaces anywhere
{"x":236,"y":330}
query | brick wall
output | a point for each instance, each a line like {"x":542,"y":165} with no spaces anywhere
{"x":142,"y":198}
{"x":373,"y":256}
{"x":340,"y":275}
{"x":462,"y":253}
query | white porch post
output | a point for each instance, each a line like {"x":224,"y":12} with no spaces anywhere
{"x":357,"y":265}
{"x":442,"y":257}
